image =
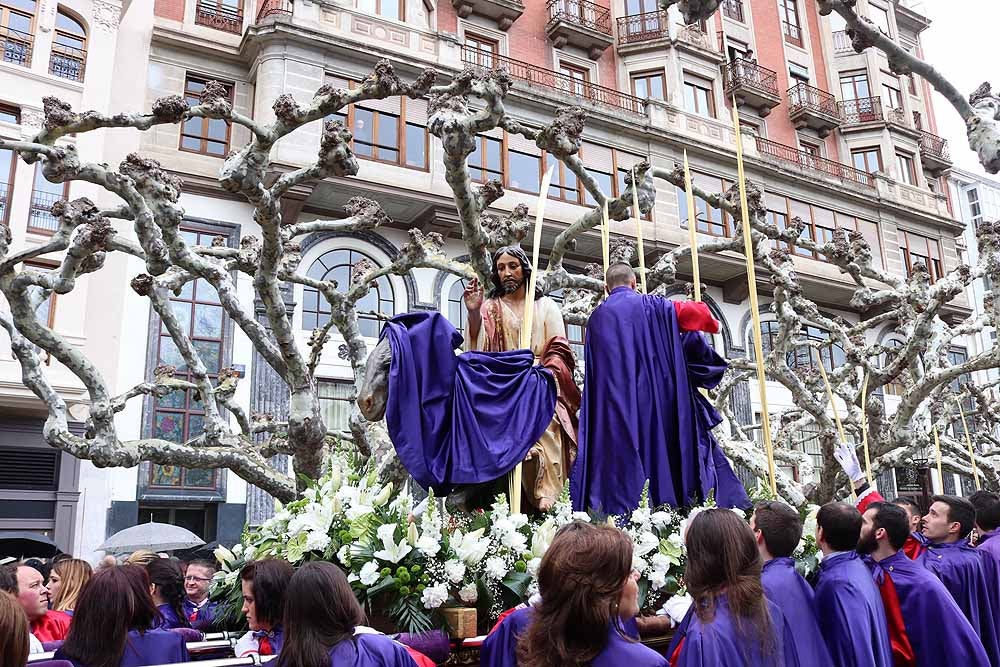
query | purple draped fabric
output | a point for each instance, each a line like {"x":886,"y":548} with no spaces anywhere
{"x":938,"y":631}
{"x":500,"y":647}
{"x":370,"y":650}
{"x":168,"y":618}
{"x":989,"y":543}
{"x":786,"y":588}
{"x":971,"y":578}
{"x":642,"y":417}
{"x":201,"y":618}
{"x":461,"y":419}
{"x":849,"y":610}
{"x":720,"y":642}
{"x":153,"y":647}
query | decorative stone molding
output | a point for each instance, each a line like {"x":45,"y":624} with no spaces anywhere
{"x":106,"y":15}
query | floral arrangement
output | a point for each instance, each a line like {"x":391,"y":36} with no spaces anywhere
{"x":409,"y":564}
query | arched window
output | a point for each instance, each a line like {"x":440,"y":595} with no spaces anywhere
{"x":17,"y":29}
{"x":336,"y":265}
{"x":69,"y":48}
{"x":802,"y":356}
{"x":456,"y":306}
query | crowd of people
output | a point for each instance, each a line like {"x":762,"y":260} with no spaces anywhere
{"x":894,"y":588}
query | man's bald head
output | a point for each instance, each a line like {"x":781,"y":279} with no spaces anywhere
{"x":619,"y":275}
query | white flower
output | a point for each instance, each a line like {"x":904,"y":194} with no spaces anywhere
{"x":369,"y":573}
{"x":412,"y":535}
{"x":740,"y":513}
{"x":470,"y":547}
{"x":676,"y":539}
{"x":533,"y":566}
{"x":581,"y":516}
{"x":657,"y":579}
{"x":515,"y":541}
{"x":428,"y":545}
{"x":660,"y":562}
{"x":393,"y":551}
{"x":638,"y":564}
{"x":640,"y":516}
{"x":250,"y":552}
{"x":383,"y":496}
{"x":317,"y":541}
{"x":646,"y":543}
{"x":496,"y":568}
{"x":677,"y":607}
{"x":455,"y":571}
{"x":224,"y":555}
{"x":344,"y":555}
{"x":468,"y":594}
{"x":542,"y":538}
{"x":661,"y":519}
{"x":434,"y":596}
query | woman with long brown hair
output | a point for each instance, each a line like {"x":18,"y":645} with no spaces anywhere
{"x":66,"y":580}
{"x":589,"y":592}
{"x":167,"y":582}
{"x":730,"y":622}
{"x":13,"y":632}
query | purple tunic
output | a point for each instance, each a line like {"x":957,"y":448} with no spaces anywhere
{"x":153,"y":647}
{"x":370,"y":650}
{"x":464,"y":419}
{"x":642,"y":417}
{"x":720,"y":642}
{"x":786,"y":588}
{"x":990,"y":543}
{"x":201,"y":618}
{"x":168,"y":618}
{"x":970,"y":577}
{"x":500,"y":647}
{"x":938,"y":631}
{"x":849,"y":610}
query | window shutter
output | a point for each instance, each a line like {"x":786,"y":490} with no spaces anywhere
{"x":517,"y":142}
{"x":416,"y":111}
{"x":597,"y":157}
{"x":31,"y":469}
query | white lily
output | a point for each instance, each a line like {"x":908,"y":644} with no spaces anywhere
{"x":393,"y":551}
{"x":224,"y":555}
{"x":470,"y":547}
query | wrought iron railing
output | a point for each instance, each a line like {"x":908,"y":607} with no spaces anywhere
{"x":67,"y":62}
{"x":40,"y":216}
{"x":842,"y":42}
{"x":814,"y":163}
{"x":16,"y":46}
{"x":934,"y":145}
{"x":582,"y":13}
{"x":743,"y":73}
{"x":793,"y":33}
{"x":227,"y":19}
{"x":274,"y":8}
{"x":861,"y":110}
{"x":804,"y":96}
{"x":3,"y":202}
{"x":556,"y":80}
{"x":733,"y":9}
{"x":642,"y":27}
{"x":693,"y":34}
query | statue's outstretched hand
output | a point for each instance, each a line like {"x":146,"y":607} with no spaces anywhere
{"x":473,"y":296}
{"x":848,"y":460}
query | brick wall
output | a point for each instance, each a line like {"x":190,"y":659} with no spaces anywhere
{"x":169,"y":9}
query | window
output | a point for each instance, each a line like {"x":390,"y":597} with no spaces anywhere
{"x":633,"y":7}
{"x":649,"y":85}
{"x":892,"y":96}
{"x":698,"y":96}
{"x":819,"y":226}
{"x":814,"y":149}
{"x":337,"y":265}
{"x":623,"y":167}
{"x":179,"y":416}
{"x":486,"y":162}
{"x":806,"y":440}
{"x":911,"y":84}
{"x":736,"y":50}
{"x":798,"y":73}
{"x":69,"y":48}
{"x":711,"y":221}
{"x":225,"y":15}
{"x":564,"y":185}
{"x":456,"y":312}
{"x":524,"y":171}
{"x":915,"y":248}
{"x":880,"y":17}
{"x":389,"y":9}
{"x":788,"y":11}
{"x":574,"y":79}
{"x":897,"y":386}
{"x":45,"y":313}
{"x":335,"y":398}
{"x":854,"y":86}
{"x":17,"y":23}
{"x":10,"y":114}
{"x":7,"y":165}
{"x":867,"y":159}
{"x":208,"y":136}
{"x":956,"y":357}
{"x":485,"y":49}
{"x":972,"y":195}
{"x":44,"y":194}
{"x":907,"y":172}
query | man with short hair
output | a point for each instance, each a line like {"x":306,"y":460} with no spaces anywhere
{"x":8,"y":585}
{"x":987,"y":507}
{"x":778,"y":529}
{"x":930,"y":630}
{"x":197,"y":605}
{"x":46,"y":625}
{"x":848,"y":606}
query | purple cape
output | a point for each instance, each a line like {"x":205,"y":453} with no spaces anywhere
{"x":720,"y":642}
{"x":168,"y":618}
{"x":970,"y":577}
{"x":201,"y":618}
{"x":642,"y":417}
{"x":989,"y":543}
{"x":849,"y":610}
{"x":786,"y":588}
{"x":500,"y":647}
{"x":370,"y":650}
{"x":935,"y":626}
{"x":464,"y":419}
{"x":153,"y":647}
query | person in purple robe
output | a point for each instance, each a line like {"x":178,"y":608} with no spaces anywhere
{"x":969,"y":575}
{"x":778,"y":530}
{"x":168,"y":593}
{"x":642,"y":417}
{"x":321,"y":619}
{"x":198,"y":605}
{"x":934,"y":628}
{"x":987,"y":505}
{"x":263,"y":584}
{"x":589,"y":594}
{"x":848,"y":605}
{"x":115,"y":624}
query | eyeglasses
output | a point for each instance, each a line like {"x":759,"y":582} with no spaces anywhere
{"x":191,"y":577}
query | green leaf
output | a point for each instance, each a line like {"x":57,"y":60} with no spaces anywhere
{"x":517,"y":583}
{"x":387,"y":583}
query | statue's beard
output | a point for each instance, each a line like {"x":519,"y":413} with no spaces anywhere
{"x":867,"y":544}
{"x":511,"y":285}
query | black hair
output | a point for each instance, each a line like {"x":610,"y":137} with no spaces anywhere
{"x":518,"y":253}
{"x":780,"y":525}
{"x":987,"y":506}
{"x":894,"y":520}
{"x":961,"y":511}
{"x":841,"y":524}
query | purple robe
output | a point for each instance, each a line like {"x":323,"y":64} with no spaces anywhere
{"x":786,"y":588}
{"x":168,"y":618}
{"x":201,"y":618}
{"x":719,"y":642}
{"x":938,"y":631}
{"x":989,"y":543}
{"x":500,"y":647}
{"x":642,"y":417}
{"x":461,"y":419}
{"x":153,"y":647}
{"x":849,"y":610}
{"x":970,"y":577}
{"x":370,"y":650}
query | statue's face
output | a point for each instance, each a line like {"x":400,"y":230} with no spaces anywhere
{"x":511,"y":273}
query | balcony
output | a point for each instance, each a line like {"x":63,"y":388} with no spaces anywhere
{"x":934,"y":153}
{"x":67,"y":62}
{"x":842,"y":43}
{"x":733,"y":9}
{"x":212,"y":14}
{"x":4,"y":194}
{"x":16,"y":46}
{"x":579,"y":23}
{"x":862,"y":111}
{"x":588,"y":92}
{"x":274,"y":8}
{"x":809,"y":162}
{"x":753,"y":85}
{"x":641,"y":28}
{"x":504,"y":12}
{"x":814,"y":108}
{"x":40,"y":218}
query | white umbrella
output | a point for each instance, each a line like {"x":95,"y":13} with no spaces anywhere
{"x":152,"y":536}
